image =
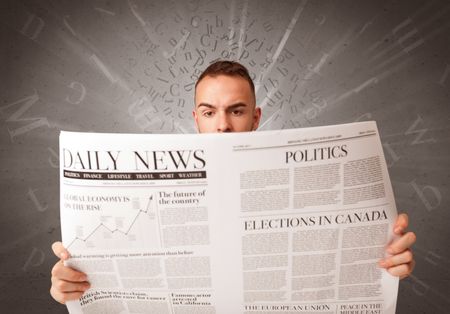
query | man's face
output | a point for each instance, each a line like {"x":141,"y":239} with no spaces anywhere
{"x":225,"y":104}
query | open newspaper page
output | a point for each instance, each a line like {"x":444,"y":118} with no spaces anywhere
{"x":316,"y":210}
{"x":263,"y":222}
{"x":135,"y":218}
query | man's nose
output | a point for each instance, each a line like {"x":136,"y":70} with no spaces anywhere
{"x":223,"y":123}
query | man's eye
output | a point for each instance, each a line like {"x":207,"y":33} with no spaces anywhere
{"x":208,"y":113}
{"x":237,"y":112}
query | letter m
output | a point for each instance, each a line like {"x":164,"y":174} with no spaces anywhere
{"x":22,"y":106}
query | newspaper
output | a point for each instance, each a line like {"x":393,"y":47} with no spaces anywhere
{"x":290,"y":221}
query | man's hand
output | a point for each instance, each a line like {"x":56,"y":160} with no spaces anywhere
{"x":401,"y":262}
{"x":67,"y":283}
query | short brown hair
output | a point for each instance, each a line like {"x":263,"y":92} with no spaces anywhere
{"x":229,"y":68}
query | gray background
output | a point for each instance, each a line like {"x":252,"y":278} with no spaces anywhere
{"x":129,"y":66}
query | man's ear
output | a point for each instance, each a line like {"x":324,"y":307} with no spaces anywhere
{"x":256,"y":118}
{"x":194,"y":115}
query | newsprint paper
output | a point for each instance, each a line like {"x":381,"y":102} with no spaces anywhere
{"x":290,"y":221}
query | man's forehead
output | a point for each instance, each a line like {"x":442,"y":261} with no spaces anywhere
{"x":223,"y":86}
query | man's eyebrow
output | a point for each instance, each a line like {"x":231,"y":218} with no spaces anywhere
{"x":231,"y":107}
{"x":206,"y":105}
{"x":237,"y":105}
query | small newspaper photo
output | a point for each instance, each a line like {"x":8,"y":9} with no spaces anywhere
{"x":289,"y":221}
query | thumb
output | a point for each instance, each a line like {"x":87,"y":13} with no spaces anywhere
{"x":60,"y":251}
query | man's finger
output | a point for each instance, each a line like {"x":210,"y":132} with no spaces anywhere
{"x":66,"y":273}
{"x":64,"y":297}
{"x":69,"y":286}
{"x":402,"y":271}
{"x":402,"y":244}
{"x":401,"y":224}
{"x":60,"y":251}
{"x":398,"y":259}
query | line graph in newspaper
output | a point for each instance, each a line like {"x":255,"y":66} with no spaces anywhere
{"x":120,"y":235}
